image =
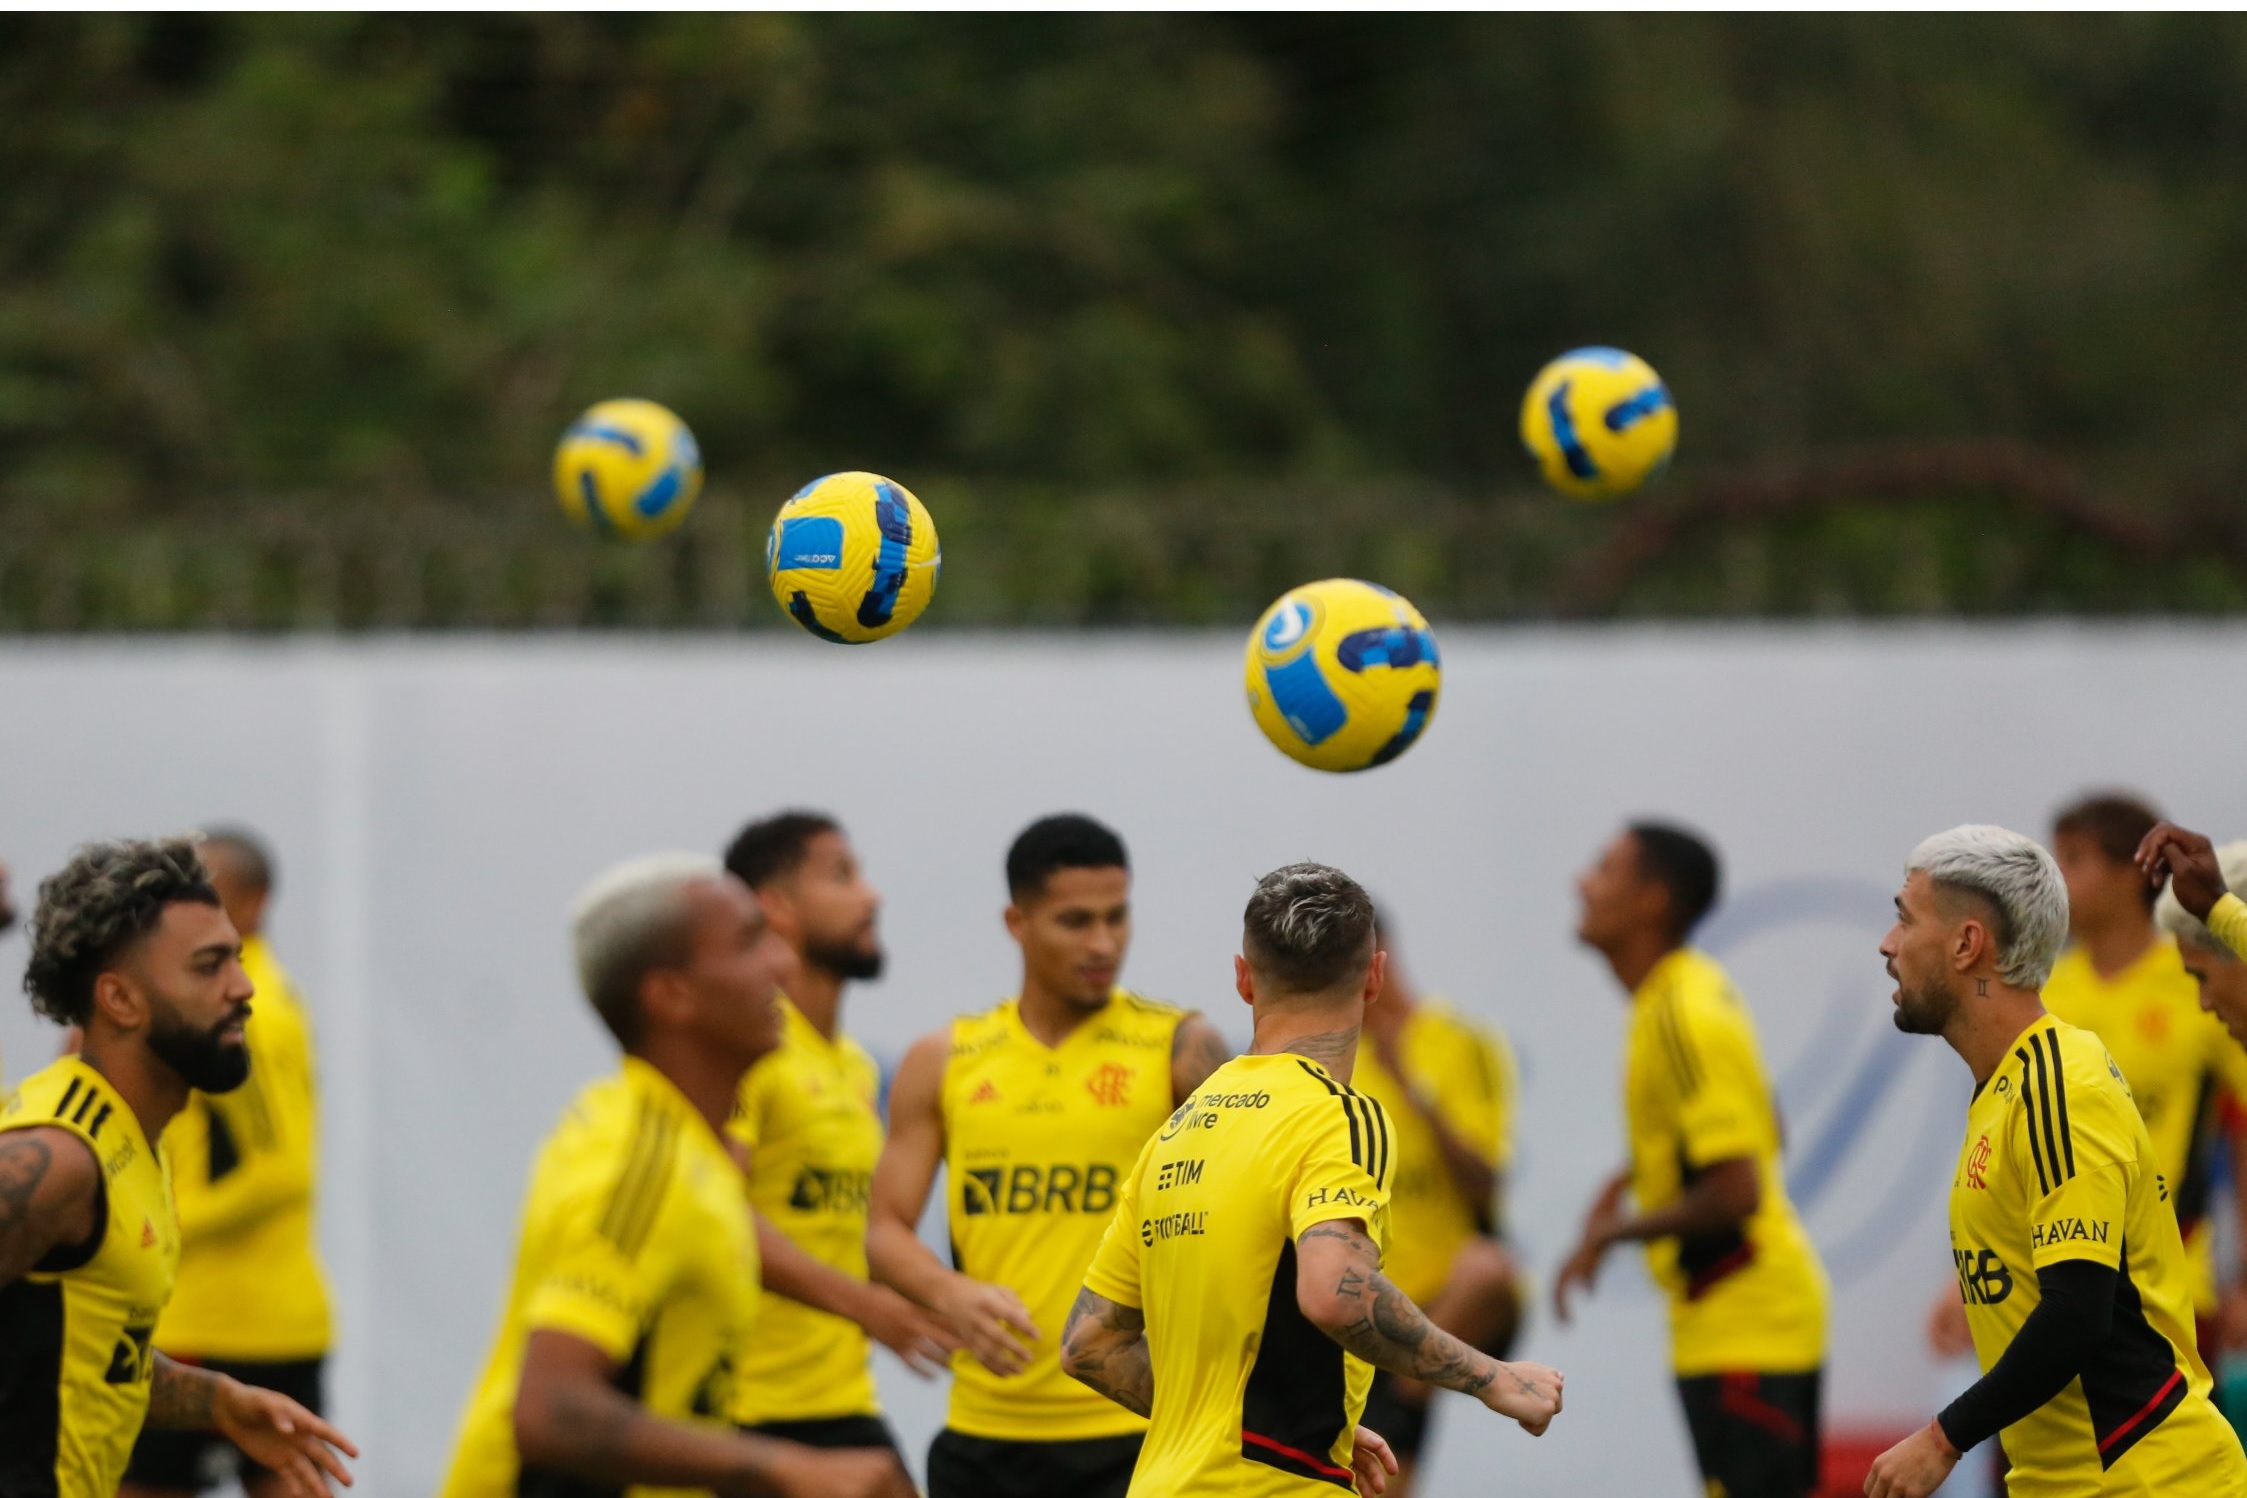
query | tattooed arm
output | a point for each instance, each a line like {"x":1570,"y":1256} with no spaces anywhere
{"x":1196,"y":1050}
{"x":50,"y":1197}
{"x":1104,"y":1347}
{"x":1342,"y":1291}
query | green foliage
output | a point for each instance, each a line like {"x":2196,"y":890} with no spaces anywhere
{"x":1159,"y":310}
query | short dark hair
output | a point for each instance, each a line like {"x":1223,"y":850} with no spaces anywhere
{"x":1683,"y":864}
{"x":97,"y":906}
{"x":1050,"y":844}
{"x":247,"y":849}
{"x":2116,"y":822}
{"x":775,"y":847}
{"x":1309,"y":927}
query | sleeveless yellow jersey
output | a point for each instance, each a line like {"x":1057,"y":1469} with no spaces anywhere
{"x":809,"y":1112}
{"x":636,"y":1238}
{"x":75,"y":1332}
{"x":1037,"y":1141}
{"x":1753,"y":1298}
{"x":1251,"y":1399}
{"x":1467,"y":1072}
{"x":2178,"y":1059}
{"x":2057,"y":1165}
{"x":243,"y":1165}
{"x":2228,"y":920}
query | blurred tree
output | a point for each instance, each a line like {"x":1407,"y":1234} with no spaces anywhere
{"x":335,"y":263}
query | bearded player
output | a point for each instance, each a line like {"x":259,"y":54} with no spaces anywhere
{"x":131,"y":946}
{"x":1035,"y":1108}
{"x":251,"y":1300}
{"x":810,"y":1119}
{"x":2068,"y":1257}
{"x":1238,"y":1297}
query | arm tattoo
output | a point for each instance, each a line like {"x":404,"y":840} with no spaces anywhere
{"x":1196,"y":1050}
{"x":180,"y":1397}
{"x":1391,"y":1332}
{"x":25,"y":1160}
{"x":1104,"y":1347}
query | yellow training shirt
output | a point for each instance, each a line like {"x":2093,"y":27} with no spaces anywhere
{"x":1037,"y":1142}
{"x":1251,"y":1399}
{"x":809,"y":1113}
{"x":2057,"y":1164}
{"x":2227,"y":918}
{"x":1753,"y":1298}
{"x":2178,"y":1058}
{"x":1466,"y":1073}
{"x":243,"y":1164}
{"x":75,"y":1331}
{"x":636,"y":1238}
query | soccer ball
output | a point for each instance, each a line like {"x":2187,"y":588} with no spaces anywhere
{"x":1342,"y":675}
{"x":853,"y":558}
{"x":1599,"y":422}
{"x":628,"y":468}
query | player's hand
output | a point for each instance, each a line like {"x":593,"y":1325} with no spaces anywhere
{"x":986,"y":1319}
{"x":276,"y":1432}
{"x":1528,"y":1393}
{"x":2171,"y":852}
{"x":1948,"y":1336}
{"x":841,"y":1474}
{"x":1372,"y":1463}
{"x":1580,"y":1270}
{"x":922,"y":1340}
{"x":1913,"y":1467}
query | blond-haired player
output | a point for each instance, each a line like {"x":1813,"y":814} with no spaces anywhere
{"x":2068,"y":1257}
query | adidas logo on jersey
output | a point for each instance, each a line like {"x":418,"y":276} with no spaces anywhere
{"x":985,"y":1092}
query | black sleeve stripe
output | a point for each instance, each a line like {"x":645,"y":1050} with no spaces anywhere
{"x":68,"y":1093}
{"x":1681,"y":1053}
{"x":2060,"y":1098}
{"x":2028,"y":1107}
{"x":1319,"y":1077}
{"x":2042,"y":1117}
{"x":640,"y":1185}
{"x":1350,"y":1112}
{"x":1380,"y":1117}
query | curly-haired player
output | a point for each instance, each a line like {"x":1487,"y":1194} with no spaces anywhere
{"x":130,"y":944}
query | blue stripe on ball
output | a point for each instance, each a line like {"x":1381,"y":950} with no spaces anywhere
{"x":1624,"y":415}
{"x":894,"y":517}
{"x":1564,"y":434}
{"x":1416,"y":715}
{"x":1300,"y":692}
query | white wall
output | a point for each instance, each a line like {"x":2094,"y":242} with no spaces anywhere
{"x":437,"y":803}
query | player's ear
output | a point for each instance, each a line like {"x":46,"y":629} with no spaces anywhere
{"x":1376,"y":974}
{"x":666,"y":998}
{"x":1016,"y":922}
{"x":1244,"y":981}
{"x":1968,"y":944}
{"x":118,"y":1000}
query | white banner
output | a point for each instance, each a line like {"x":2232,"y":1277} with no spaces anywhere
{"x":436,"y":804}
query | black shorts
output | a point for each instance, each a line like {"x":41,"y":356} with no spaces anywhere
{"x":978,"y":1467}
{"x":199,"y":1459}
{"x":1403,"y":1423}
{"x":837,"y":1433}
{"x":1755,"y":1433}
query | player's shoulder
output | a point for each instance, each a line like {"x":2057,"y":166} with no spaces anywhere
{"x":2077,"y":1058}
{"x":615,"y":1153}
{"x":1446,"y":1024}
{"x":1137,"y":1017}
{"x":2071,"y":1092}
{"x":978,"y":1030}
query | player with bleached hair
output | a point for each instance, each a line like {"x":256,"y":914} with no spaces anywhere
{"x":2068,"y":1256}
{"x":2203,"y":907}
{"x":635,"y":1283}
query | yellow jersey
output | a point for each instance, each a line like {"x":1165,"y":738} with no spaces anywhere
{"x":1752,"y":1298}
{"x":810,"y":1115}
{"x":1251,"y":1399}
{"x":2228,"y":920}
{"x":2178,"y":1059}
{"x":1037,"y":1142}
{"x":2057,"y":1164}
{"x":243,"y":1165}
{"x":636,"y":1238}
{"x":1467,"y":1074}
{"x":75,"y":1332}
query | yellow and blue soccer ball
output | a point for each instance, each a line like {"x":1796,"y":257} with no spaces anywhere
{"x":853,"y":558}
{"x":628,"y":468}
{"x":1342,"y":675}
{"x":1599,"y":422}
